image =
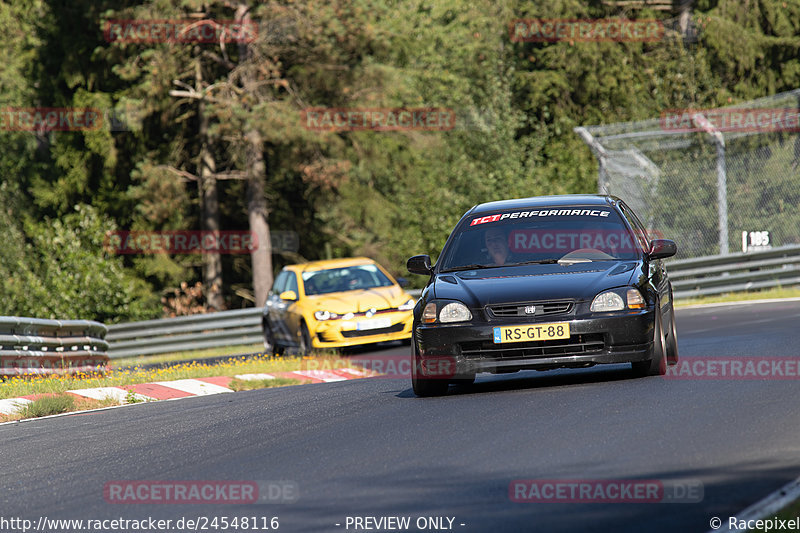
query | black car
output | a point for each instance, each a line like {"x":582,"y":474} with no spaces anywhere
{"x":542,"y":283}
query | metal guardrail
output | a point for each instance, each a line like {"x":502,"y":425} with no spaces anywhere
{"x":39,"y":346}
{"x":699,"y":276}
{"x":186,"y":333}
{"x":736,"y":272}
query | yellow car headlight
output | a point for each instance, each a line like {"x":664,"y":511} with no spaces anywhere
{"x":408,"y":306}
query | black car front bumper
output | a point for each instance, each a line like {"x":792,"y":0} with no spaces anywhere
{"x":602,"y":339}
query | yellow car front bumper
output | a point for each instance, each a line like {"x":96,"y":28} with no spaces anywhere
{"x":380,"y":328}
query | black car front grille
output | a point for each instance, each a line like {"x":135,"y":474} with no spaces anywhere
{"x":378,"y":331}
{"x":524,"y":309}
{"x":576,"y":345}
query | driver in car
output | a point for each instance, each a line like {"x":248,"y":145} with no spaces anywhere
{"x":496,"y":240}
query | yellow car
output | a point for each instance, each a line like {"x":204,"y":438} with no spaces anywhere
{"x":333,"y":304}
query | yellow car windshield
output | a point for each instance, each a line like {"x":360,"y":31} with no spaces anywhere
{"x":352,"y":278}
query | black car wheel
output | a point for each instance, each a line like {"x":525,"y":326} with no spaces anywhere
{"x":656,"y":365}
{"x":305,"y":340}
{"x":464,"y":380}
{"x":424,"y":386}
{"x":269,"y":341}
{"x":672,"y":340}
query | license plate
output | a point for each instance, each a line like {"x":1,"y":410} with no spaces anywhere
{"x":531,"y":332}
{"x":373,"y":324}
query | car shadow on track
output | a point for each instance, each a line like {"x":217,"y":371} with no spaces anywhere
{"x":391,"y":346}
{"x":531,"y":379}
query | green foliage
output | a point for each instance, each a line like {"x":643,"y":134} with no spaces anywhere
{"x":387,"y":195}
{"x":130,"y":397}
{"x":58,"y":269}
{"x":242,"y":385}
{"x":48,"y":405}
{"x":752,"y":47}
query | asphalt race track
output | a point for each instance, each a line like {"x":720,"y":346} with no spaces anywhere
{"x":371,"y":448}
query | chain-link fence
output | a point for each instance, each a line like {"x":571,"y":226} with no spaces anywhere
{"x":714,"y":180}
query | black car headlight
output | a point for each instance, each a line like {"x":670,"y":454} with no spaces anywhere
{"x":617,"y":300}
{"x":446,"y":312}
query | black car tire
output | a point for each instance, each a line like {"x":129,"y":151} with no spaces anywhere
{"x":424,"y":386}
{"x":656,"y":365}
{"x":269,"y":341}
{"x":464,"y":380}
{"x":305,"y":340}
{"x":672,"y":340}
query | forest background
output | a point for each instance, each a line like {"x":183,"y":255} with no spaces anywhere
{"x":213,"y":135}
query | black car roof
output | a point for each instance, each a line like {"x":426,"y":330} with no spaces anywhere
{"x":541,"y":201}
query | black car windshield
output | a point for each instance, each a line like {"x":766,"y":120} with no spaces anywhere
{"x":350,"y":278}
{"x":568,"y":235}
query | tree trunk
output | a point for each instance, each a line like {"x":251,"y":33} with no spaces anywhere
{"x":256,"y":171}
{"x":209,"y":205}
{"x":261,"y":256}
{"x":685,"y":17}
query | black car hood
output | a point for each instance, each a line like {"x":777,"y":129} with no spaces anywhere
{"x":526,"y":283}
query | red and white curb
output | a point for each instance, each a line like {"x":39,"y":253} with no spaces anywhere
{"x":185,"y":388}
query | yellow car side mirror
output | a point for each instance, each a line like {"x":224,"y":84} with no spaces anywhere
{"x":288,"y":295}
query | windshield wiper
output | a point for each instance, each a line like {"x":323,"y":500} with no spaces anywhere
{"x":536,"y":262}
{"x":574,"y":261}
{"x":473,"y":266}
{"x":563,"y":262}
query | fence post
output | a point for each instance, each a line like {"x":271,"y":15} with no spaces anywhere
{"x":722,"y":179}
{"x":601,"y":155}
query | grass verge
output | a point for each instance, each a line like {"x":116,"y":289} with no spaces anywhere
{"x":186,"y":356}
{"x":779,"y":292}
{"x":54,"y":404}
{"x":251,"y":384}
{"x":50,"y":396}
{"x":16,"y":387}
{"x":48,"y":405}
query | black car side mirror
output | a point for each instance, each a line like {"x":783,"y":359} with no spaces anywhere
{"x":661,"y":248}
{"x":420,"y":264}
